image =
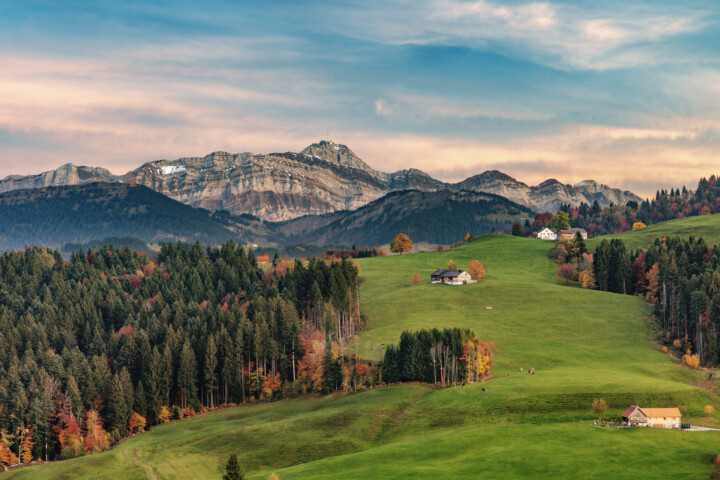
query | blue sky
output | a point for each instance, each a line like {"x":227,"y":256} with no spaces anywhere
{"x":627,"y":93}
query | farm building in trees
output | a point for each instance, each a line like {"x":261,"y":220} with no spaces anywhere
{"x":547,"y":234}
{"x":652,"y":417}
{"x":451,"y":277}
{"x":569,"y":234}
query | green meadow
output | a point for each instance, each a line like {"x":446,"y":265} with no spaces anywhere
{"x":582,"y":344}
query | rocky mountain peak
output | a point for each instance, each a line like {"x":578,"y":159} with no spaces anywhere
{"x":336,"y":153}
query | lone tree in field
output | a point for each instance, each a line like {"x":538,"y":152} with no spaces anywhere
{"x":416,"y":279}
{"x":476,"y":270}
{"x":452,"y":265}
{"x":401,"y":244}
{"x":709,"y":410}
{"x":517,"y":230}
{"x":233,"y":470}
{"x":599,"y":407}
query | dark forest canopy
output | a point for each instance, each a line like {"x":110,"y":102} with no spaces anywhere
{"x":113,"y":332}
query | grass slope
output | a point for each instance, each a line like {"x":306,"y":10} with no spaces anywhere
{"x":705,"y":226}
{"x":582,"y":344}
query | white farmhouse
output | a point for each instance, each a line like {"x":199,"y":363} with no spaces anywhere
{"x":547,"y":234}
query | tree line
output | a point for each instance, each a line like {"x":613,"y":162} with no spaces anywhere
{"x":445,"y":357}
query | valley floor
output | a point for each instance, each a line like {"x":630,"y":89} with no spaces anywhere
{"x":582,"y":344}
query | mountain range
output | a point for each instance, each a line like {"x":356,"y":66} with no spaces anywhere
{"x":54,"y":216}
{"x":323,"y":178}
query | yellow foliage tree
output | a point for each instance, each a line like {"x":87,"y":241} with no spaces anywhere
{"x":401,"y":244}
{"x":691,"y":361}
{"x":476,"y":270}
{"x":587,"y":279}
{"x":452,"y":265}
{"x":468,"y":237}
{"x":27,"y":447}
{"x":273,"y":476}
{"x":478,"y":358}
{"x":709,"y":410}
{"x":416,"y":280}
{"x":164,"y":415}
{"x":638,"y":225}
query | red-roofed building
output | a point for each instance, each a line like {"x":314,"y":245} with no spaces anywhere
{"x":264,"y":258}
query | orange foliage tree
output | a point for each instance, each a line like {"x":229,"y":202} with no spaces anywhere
{"x":476,"y":270}
{"x":416,"y":280}
{"x":136,"y":424}
{"x":7,"y":457}
{"x":271,"y":385}
{"x":96,"y":438}
{"x":638,"y":226}
{"x":401,"y":244}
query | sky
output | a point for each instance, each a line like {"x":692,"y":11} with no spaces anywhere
{"x":623,"y":92}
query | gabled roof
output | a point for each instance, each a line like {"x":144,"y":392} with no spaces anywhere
{"x":630,"y":411}
{"x":438,"y":273}
{"x":452,"y":273}
{"x":662,"y":412}
{"x":573,"y":231}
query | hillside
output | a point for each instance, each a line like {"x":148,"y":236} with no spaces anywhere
{"x":436,"y":217}
{"x":57,"y":215}
{"x":705,"y":226}
{"x":582,"y":344}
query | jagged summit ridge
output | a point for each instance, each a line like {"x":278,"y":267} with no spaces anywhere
{"x":324,"y":177}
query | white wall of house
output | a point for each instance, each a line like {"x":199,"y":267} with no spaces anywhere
{"x":547,"y":234}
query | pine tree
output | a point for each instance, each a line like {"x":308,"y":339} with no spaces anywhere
{"x":233,"y":470}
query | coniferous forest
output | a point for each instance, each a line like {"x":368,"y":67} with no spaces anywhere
{"x":95,"y":348}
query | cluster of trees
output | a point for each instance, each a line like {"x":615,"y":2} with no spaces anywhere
{"x":445,"y":357}
{"x":681,"y":277}
{"x":110,"y":340}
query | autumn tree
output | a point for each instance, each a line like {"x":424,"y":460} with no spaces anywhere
{"x":136,"y":424}
{"x":599,"y":407}
{"x":7,"y":457}
{"x":164,"y":415}
{"x":26,"y":448}
{"x":476,"y":270}
{"x":401,"y":244}
{"x":233,"y":470}
{"x":638,"y":226}
{"x":567,"y":272}
{"x":468,"y":237}
{"x":709,"y":410}
{"x":587,"y":279}
{"x":416,"y":280}
{"x":452,"y":265}
{"x":96,"y":438}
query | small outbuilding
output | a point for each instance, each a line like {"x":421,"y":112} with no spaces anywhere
{"x":569,"y":234}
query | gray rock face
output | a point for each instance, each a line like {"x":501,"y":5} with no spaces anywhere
{"x":325,"y":177}
{"x":549,"y":195}
{"x":68,"y":174}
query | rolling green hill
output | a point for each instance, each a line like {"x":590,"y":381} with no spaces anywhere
{"x":582,"y":344}
{"x":705,"y":226}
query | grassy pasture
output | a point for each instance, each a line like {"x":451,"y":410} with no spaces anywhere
{"x":582,"y":344}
